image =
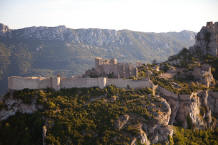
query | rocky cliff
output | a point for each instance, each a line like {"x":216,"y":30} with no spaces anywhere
{"x":191,"y":78}
{"x":191,"y":110}
{"x":207,"y":40}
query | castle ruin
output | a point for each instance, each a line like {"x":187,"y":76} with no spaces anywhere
{"x":106,"y":72}
{"x":112,"y":69}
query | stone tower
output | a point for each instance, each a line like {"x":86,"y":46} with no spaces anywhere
{"x":98,"y":61}
{"x":56,"y":82}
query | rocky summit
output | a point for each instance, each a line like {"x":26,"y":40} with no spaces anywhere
{"x":207,"y":40}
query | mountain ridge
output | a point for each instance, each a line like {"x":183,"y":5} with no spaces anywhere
{"x":5,"y":30}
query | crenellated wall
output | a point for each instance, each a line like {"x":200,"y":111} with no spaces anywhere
{"x":19,"y":83}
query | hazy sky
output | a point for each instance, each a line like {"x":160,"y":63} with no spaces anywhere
{"x":138,"y":15}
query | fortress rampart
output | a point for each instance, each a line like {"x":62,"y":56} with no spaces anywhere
{"x":103,"y":68}
{"x":19,"y":83}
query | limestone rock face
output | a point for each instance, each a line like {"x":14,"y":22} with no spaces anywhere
{"x":146,"y":131}
{"x":158,"y":133}
{"x":163,"y":117}
{"x":203,"y":74}
{"x":207,"y":40}
{"x":191,"y":110}
{"x":142,"y":136}
{"x":158,"y":130}
{"x":17,"y":105}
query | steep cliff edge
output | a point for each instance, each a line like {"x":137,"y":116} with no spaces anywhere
{"x":191,"y":110}
{"x":206,"y":40}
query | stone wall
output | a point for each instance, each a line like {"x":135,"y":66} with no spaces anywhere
{"x":83,"y":82}
{"x":124,"y":83}
{"x":19,"y":83}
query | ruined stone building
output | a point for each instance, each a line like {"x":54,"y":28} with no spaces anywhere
{"x":112,"y":69}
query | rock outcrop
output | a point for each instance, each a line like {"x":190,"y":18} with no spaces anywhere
{"x":17,"y":105}
{"x":203,"y":74}
{"x":145,"y":131}
{"x":142,"y":136}
{"x":207,"y":40}
{"x":159,"y":133}
{"x":190,"y":110}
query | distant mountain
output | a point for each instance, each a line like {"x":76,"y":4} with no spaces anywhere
{"x":50,"y":50}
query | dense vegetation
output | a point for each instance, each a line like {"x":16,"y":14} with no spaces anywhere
{"x":195,"y":137}
{"x":88,"y":116}
{"x":77,"y":116}
{"x":22,"y":129}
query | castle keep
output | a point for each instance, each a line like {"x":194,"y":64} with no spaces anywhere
{"x":112,"y":69}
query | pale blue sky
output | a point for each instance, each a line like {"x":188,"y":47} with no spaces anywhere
{"x":138,"y":15}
